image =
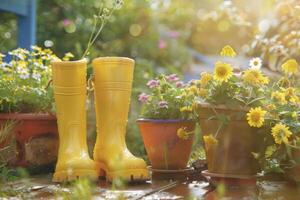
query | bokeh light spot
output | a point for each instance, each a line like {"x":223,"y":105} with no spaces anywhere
{"x":135,"y":30}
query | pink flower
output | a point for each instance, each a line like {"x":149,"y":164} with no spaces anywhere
{"x":173,"y":34}
{"x":143,"y":97}
{"x":162,"y":44}
{"x":179,"y":84}
{"x":172,"y":78}
{"x":67,"y":22}
{"x":153,"y":83}
{"x":163,"y":104}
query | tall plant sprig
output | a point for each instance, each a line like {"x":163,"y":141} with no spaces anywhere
{"x":100,"y":20}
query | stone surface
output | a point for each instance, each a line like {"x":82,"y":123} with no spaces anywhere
{"x":41,"y":187}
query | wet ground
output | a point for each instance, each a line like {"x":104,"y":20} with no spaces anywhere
{"x":41,"y":187}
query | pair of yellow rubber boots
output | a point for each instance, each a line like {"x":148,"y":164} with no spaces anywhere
{"x":112,"y":89}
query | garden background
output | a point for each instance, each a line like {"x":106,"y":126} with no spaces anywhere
{"x":170,"y":36}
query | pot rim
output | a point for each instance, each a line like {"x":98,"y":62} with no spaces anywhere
{"x":223,"y":107}
{"x":68,"y":62}
{"x":164,"y":120}
{"x":27,"y":116}
{"x":113,"y":59}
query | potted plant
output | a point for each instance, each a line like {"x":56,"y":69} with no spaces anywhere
{"x":224,"y":98}
{"x":281,"y":151}
{"x":26,"y":105}
{"x":167,"y":122}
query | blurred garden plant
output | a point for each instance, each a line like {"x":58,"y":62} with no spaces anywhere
{"x":169,"y":98}
{"x":279,"y":36}
{"x":25,"y":78}
{"x":222,"y":23}
{"x":280,"y":117}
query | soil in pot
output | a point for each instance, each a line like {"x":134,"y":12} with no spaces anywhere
{"x":234,"y":141}
{"x":164,"y":148}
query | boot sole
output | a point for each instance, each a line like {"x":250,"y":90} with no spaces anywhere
{"x":129,"y":175}
{"x":62,"y":176}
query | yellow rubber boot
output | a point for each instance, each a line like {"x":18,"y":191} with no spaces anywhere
{"x":69,"y":81}
{"x":113,"y":83}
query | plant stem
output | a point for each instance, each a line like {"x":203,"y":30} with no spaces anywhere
{"x":93,"y":32}
{"x":93,"y":39}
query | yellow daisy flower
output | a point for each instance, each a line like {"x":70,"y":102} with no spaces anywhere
{"x":290,"y":66}
{"x":186,"y":109}
{"x":281,"y":133}
{"x":227,"y":51}
{"x":182,"y":133}
{"x":254,"y":77}
{"x":205,"y":78}
{"x":222,"y":72}
{"x":279,"y":96}
{"x":192,"y":90}
{"x":270,"y":107}
{"x":209,"y":140}
{"x":256,"y":117}
{"x":289,"y":92}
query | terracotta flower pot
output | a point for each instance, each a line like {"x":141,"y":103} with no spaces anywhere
{"x":294,"y":172}
{"x":231,"y":153}
{"x":28,"y":127}
{"x":164,"y":148}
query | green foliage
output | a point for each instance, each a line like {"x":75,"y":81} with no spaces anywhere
{"x":282,"y":105}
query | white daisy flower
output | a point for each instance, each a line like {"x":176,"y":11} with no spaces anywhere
{"x":36,"y":76}
{"x":255,"y":63}
{"x":24,"y":76}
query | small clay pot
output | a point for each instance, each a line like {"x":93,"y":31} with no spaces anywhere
{"x":165,"y":149}
{"x":28,"y":126}
{"x":236,"y":140}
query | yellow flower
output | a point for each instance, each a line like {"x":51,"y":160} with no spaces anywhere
{"x":183,"y":134}
{"x":227,"y":51}
{"x":1,"y":57}
{"x":290,"y":66}
{"x":186,"y":109}
{"x":294,"y":115}
{"x":202,"y":92}
{"x":289,"y":92}
{"x":281,"y":133}
{"x":205,"y":78}
{"x":223,"y":71}
{"x":68,"y":56}
{"x":209,"y":140}
{"x":295,"y":99}
{"x":270,"y":107}
{"x":256,"y":117}
{"x":192,"y":90}
{"x":254,"y":77}
{"x":279,"y":96}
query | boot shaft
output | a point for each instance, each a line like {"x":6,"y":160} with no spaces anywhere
{"x":69,"y":83}
{"x":113,"y":83}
